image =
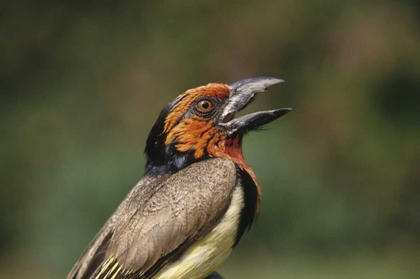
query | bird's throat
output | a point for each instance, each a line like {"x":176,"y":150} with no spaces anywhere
{"x":232,"y":148}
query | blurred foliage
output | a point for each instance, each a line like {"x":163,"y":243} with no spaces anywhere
{"x":82,"y":82}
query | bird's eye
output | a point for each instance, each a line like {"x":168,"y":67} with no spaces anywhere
{"x":204,"y":105}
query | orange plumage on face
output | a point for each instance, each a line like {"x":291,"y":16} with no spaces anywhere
{"x":212,"y":90}
{"x":193,"y":134}
{"x":196,"y":132}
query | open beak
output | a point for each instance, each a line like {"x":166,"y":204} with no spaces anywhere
{"x":243,"y":93}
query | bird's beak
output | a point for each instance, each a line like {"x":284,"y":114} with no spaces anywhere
{"x":243,"y":93}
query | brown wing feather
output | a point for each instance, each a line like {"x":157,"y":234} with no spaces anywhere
{"x":159,"y":220}
{"x":94,"y":254}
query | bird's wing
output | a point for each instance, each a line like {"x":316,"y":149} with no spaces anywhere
{"x":158,"y":221}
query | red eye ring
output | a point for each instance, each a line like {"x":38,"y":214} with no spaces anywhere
{"x":204,"y":105}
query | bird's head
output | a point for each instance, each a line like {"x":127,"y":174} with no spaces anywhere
{"x":200,"y":124}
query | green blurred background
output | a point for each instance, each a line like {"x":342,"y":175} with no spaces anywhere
{"x":82,"y":82}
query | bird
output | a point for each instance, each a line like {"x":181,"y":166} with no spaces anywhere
{"x":198,"y":196}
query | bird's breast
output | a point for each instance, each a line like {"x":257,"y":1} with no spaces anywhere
{"x":204,"y":256}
